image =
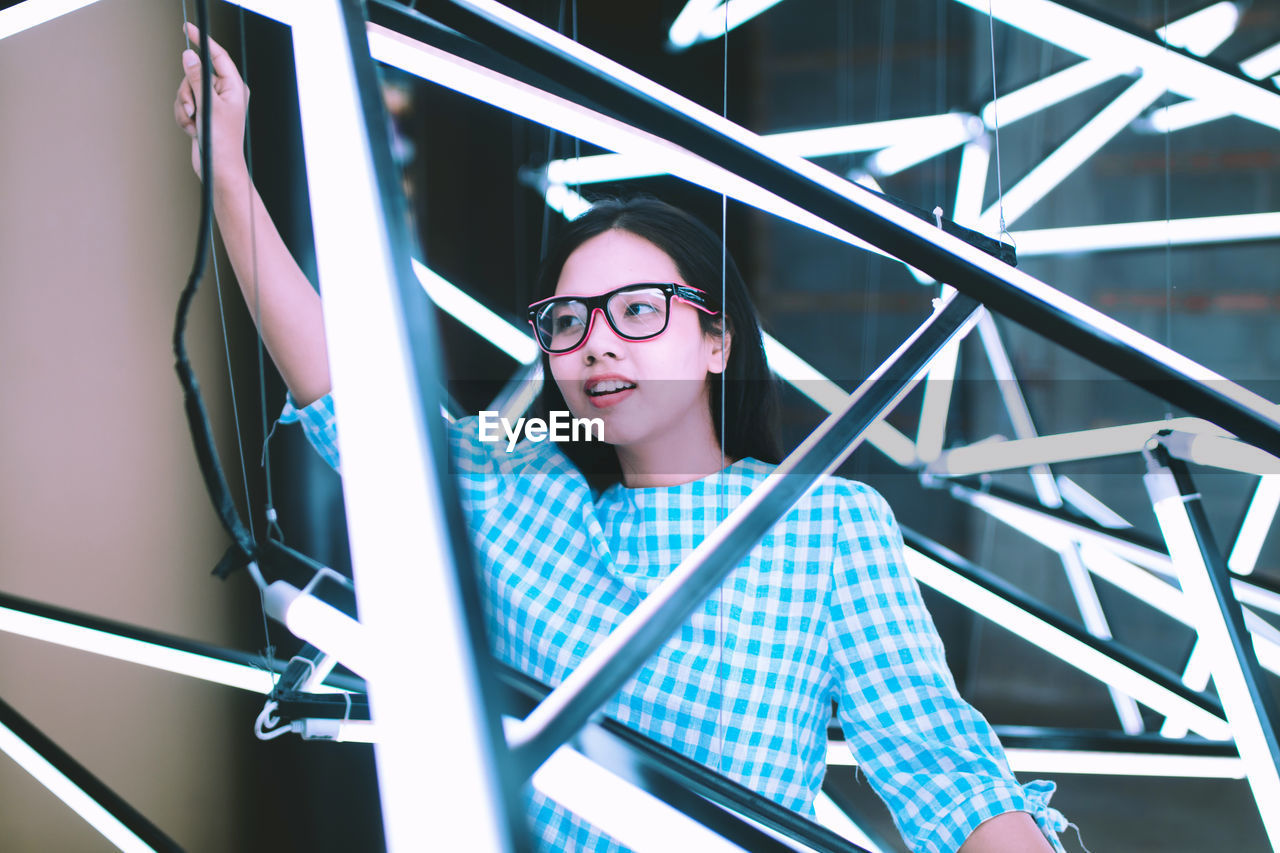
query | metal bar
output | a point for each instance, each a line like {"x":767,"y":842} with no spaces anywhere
{"x":1064,"y":320}
{"x":1220,"y":624}
{"x":83,"y":792}
{"x":401,"y":503}
{"x":643,"y":632}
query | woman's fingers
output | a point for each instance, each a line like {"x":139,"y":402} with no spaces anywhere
{"x":223,"y":66}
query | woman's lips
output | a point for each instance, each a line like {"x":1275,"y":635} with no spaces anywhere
{"x":607,"y":398}
{"x":613,"y":398}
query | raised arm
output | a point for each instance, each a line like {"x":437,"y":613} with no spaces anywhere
{"x":282,"y":301}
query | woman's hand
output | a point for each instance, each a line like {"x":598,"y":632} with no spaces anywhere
{"x":230,"y":102}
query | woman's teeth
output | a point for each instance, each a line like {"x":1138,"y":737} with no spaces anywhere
{"x":609,"y":386}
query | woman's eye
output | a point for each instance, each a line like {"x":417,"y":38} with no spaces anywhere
{"x":640,"y":308}
{"x":564,"y":322}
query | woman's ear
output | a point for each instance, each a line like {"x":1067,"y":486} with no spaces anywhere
{"x":718,"y":352}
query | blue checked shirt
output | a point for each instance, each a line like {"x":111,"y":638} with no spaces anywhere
{"x":823,"y":609}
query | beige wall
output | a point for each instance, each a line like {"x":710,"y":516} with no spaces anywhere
{"x":101,"y":508}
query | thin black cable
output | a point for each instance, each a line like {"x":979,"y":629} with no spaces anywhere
{"x":272,"y":527}
{"x":197,"y":416}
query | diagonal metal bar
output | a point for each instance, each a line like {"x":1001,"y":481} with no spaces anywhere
{"x":1064,"y":320}
{"x":82,"y":791}
{"x":608,"y":667}
{"x":1220,"y":625}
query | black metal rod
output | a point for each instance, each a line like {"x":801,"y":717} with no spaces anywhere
{"x":1232,"y":613}
{"x":644,"y":631}
{"x":941,"y":256}
{"x":1147,"y":668}
{"x":91,"y":785}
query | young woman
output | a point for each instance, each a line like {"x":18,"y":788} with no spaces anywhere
{"x":633,"y":332}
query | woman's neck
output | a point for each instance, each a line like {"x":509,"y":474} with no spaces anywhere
{"x":672,"y":459}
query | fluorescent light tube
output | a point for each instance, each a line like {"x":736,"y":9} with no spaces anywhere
{"x":1202,"y":32}
{"x":70,"y":793}
{"x":830,"y":815}
{"x":453,"y":300}
{"x":1050,"y":91}
{"x":828,"y":395}
{"x":565,"y":201}
{"x":634,"y":817}
{"x":1088,"y":37}
{"x":1069,"y":156}
{"x":1147,"y":235}
{"x":1221,"y":451}
{"x":1247,"y":723}
{"x":1083,"y":500}
{"x":986,"y":457}
{"x":971,"y":186}
{"x":320,"y":624}
{"x":135,"y":651}
{"x":810,"y":144}
{"x":1096,"y":762}
{"x":389,"y":479}
{"x":1064,"y":646}
{"x":902,"y":156}
{"x":686,"y":29}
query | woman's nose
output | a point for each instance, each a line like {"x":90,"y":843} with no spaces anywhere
{"x":601,"y":338}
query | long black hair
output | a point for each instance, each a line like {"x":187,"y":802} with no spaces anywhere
{"x":750,"y":393}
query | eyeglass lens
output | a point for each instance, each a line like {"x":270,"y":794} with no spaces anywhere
{"x":637,"y":314}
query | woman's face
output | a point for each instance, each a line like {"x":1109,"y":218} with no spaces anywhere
{"x":663,"y":380}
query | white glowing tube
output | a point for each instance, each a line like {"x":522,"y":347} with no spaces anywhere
{"x":1064,"y":646}
{"x":1196,"y":676}
{"x":634,"y":817}
{"x":453,"y":300}
{"x":1201,"y":32}
{"x":394,"y":518}
{"x":1247,"y":723}
{"x":530,"y":100}
{"x":833,"y":818}
{"x":565,"y":201}
{"x":1256,"y":596}
{"x":1194,"y":112}
{"x":320,"y":624}
{"x":971,"y":186}
{"x":1054,"y":169}
{"x":902,"y":156}
{"x":135,"y":651}
{"x":831,"y":397}
{"x":989,"y":456}
{"x":704,"y":20}
{"x":1049,"y":91}
{"x":1125,"y":764}
{"x":70,"y":793}
{"x":1262,"y":64}
{"x":1142,"y":235}
{"x":1015,"y":405}
{"x":1221,"y":451}
{"x":33,"y":13}
{"x":1088,"y":37}
{"x":817,"y":142}
{"x":686,"y":29}
{"x":937,"y":401}
{"x":1083,"y":500}
{"x":1097,"y":762}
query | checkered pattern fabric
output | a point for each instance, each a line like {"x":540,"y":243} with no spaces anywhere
{"x":823,"y":609}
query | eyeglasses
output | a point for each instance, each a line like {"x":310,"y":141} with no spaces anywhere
{"x":635,"y":312}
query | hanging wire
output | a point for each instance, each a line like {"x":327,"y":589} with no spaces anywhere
{"x":1168,"y":210}
{"x":721,"y":508}
{"x":995,"y":120}
{"x":273,"y":527}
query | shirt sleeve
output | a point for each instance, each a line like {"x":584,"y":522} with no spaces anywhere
{"x":931,"y":756}
{"x":477,"y":462}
